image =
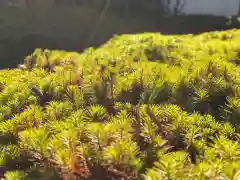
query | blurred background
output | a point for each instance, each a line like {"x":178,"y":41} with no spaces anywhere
{"x":74,"y":25}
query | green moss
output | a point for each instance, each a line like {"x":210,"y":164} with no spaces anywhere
{"x":144,"y":105}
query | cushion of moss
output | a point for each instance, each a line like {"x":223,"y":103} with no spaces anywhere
{"x":197,"y":73}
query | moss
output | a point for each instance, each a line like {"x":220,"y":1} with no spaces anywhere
{"x":144,"y":105}
{"x":77,"y":28}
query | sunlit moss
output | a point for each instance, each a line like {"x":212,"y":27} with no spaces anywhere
{"x":145,"y":105}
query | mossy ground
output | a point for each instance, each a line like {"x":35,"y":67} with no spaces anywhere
{"x":74,"y":28}
{"x":143,"y":106}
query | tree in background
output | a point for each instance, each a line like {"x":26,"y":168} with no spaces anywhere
{"x":179,"y":6}
{"x":39,"y":3}
{"x":238,"y":8}
{"x":13,"y":3}
{"x":169,"y":7}
{"x":156,"y":7}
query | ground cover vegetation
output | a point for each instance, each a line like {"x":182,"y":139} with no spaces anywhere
{"x":68,"y":28}
{"x":145,"y":106}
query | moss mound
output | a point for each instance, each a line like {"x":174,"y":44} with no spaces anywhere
{"x":143,"y":106}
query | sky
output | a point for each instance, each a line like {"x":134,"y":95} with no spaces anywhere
{"x":215,"y":7}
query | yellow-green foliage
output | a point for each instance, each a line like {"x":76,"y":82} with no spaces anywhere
{"x":143,"y":106}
